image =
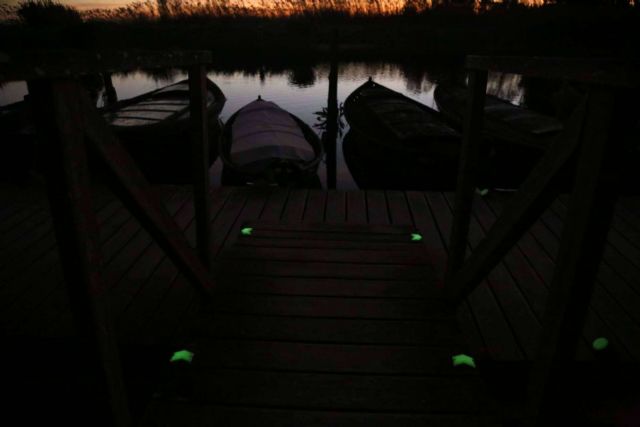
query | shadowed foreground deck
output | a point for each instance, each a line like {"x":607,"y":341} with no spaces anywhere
{"x":307,"y":305}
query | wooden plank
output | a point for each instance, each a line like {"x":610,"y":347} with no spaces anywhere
{"x":377,"y":211}
{"x":321,"y":228}
{"x":467,"y":173}
{"x":127,"y":280}
{"x":68,"y":63}
{"x":363,"y":256}
{"x":258,"y":234}
{"x":356,"y":207}
{"x":522,"y":262}
{"x":58,"y":113}
{"x":35,"y":247}
{"x":30,"y":306}
{"x":616,"y":276}
{"x":169,"y":413}
{"x":331,"y":287}
{"x":12,"y":278}
{"x":294,"y":210}
{"x":52,"y":309}
{"x":316,"y":201}
{"x":348,"y":331}
{"x":496,"y":333}
{"x":134,"y":191}
{"x":435,"y":243}
{"x":275,"y":205}
{"x":234,"y":268}
{"x":24,"y":232}
{"x":535,"y":194}
{"x":336,"y":210}
{"x":513,"y":305}
{"x":607,"y":71}
{"x":346,"y":392}
{"x":200,"y":159}
{"x":343,"y":307}
{"x":609,"y":300}
{"x":370,"y":245}
{"x":398,"y":208}
{"x":156,"y":309}
{"x":320,"y":357}
{"x":541,"y":247}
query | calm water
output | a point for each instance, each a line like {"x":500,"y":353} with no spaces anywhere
{"x":302,"y":91}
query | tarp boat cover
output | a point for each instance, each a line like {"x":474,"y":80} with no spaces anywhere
{"x":264,"y":131}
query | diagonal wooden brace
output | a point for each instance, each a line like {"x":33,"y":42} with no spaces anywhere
{"x":533,"y":197}
{"x":137,"y":195}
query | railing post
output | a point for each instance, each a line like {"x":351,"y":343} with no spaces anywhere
{"x":468,"y":168}
{"x":200,"y":163}
{"x":59,"y":117}
{"x":582,"y":243}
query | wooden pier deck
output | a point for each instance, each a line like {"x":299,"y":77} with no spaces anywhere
{"x":334,"y":292}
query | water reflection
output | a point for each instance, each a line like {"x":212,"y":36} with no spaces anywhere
{"x":301,"y":89}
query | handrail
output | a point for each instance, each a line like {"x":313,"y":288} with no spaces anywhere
{"x":592,"y":138}
{"x":613,"y":72}
{"x":70,"y":125}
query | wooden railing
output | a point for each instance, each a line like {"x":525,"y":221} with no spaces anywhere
{"x":589,"y":148}
{"x":69,"y":125}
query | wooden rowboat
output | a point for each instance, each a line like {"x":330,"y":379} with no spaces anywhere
{"x":155,"y":128}
{"x":503,"y":121}
{"x":263,"y":144}
{"x":401,"y":124}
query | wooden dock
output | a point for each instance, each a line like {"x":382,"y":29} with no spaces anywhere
{"x":304,"y":298}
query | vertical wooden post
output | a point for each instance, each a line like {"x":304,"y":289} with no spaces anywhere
{"x":468,"y":167}
{"x":59,"y":118}
{"x":110,"y":91}
{"x":331,"y":132}
{"x":581,"y":246}
{"x":200,"y":150}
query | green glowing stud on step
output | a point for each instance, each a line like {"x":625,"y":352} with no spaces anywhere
{"x":182,"y":356}
{"x":600,"y":343}
{"x":463,"y":359}
{"x":246,"y":231}
{"x":415,"y":237}
{"x":482,"y":192}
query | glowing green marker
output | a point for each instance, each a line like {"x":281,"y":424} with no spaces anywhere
{"x":463,"y":359}
{"x":600,"y":343}
{"x":415,"y":237}
{"x":182,"y":355}
{"x":246,"y":231}
{"x":482,"y":192}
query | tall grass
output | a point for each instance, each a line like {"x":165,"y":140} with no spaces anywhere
{"x":144,"y":10}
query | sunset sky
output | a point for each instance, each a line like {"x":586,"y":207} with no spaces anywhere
{"x":93,"y":4}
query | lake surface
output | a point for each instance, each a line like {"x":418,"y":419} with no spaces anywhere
{"x":302,"y":90}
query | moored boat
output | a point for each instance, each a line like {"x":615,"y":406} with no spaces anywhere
{"x":394,"y":121}
{"x":503,"y":121}
{"x":262,"y":143}
{"x":155,"y":128}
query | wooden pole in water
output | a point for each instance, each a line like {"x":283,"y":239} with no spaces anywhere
{"x":200,"y":156}
{"x":59,"y":113}
{"x":331,"y":132}
{"x":468,"y":167}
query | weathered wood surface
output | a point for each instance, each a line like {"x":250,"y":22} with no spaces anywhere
{"x":25,"y":65}
{"x":264,"y":351}
{"x":152,"y":300}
